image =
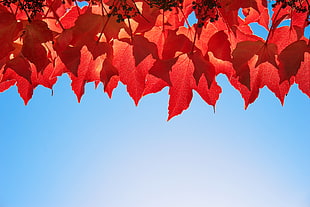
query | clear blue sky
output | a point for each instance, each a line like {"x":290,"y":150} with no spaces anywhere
{"x":105,"y":152}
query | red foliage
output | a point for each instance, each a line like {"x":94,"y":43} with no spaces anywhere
{"x":145,"y":45}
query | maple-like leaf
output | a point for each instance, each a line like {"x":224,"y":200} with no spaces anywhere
{"x":24,"y":86}
{"x":263,"y":75}
{"x":245,"y":51}
{"x":183,"y":83}
{"x":131,"y":74}
{"x":37,"y":33}
{"x":9,"y":29}
{"x":289,"y":66}
{"x":21,"y":67}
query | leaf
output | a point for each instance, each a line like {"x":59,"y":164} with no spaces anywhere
{"x":69,"y":44}
{"x":142,"y":48}
{"x":175,"y":44}
{"x":37,"y":33}
{"x":68,"y":20}
{"x":259,"y":15}
{"x":267,"y":53}
{"x":147,"y":19}
{"x":183,"y":83}
{"x":245,"y":51}
{"x":24,"y":86}
{"x":131,"y":75}
{"x":161,"y":69}
{"x":93,"y":69}
{"x":21,"y":67}
{"x":303,"y":74}
{"x":87,"y":63}
{"x":290,"y":59}
{"x":109,"y":76}
{"x":6,"y":85}
{"x":261,"y":76}
{"x":111,"y":28}
{"x":202,"y":66}
{"x":153,"y":84}
{"x":282,"y":37}
{"x":220,"y":46}
{"x":9,"y":29}
{"x":241,"y":55}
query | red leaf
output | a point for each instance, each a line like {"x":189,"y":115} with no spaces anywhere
{"x":111,"y":28}
{"x":142,"y":48}
{"x":153,"y":85}
{"x":220,"y":46}
{"x":290,"y":59}
{"x":245,"y":51}
{"x":9,"y":29}
{"x":176,"y":43}
{"x":267,"y":53}
{"x":37,"y":33}
{"x":161,"y":69}
{"x":24,"y":86}
{"x":282,"y":37}
{"x":202,"y":65}
{"x":183,"y":83}
{"x":209,"y":94}
{"x":147,"y":19}
{"x":263,"y":75}
{"x":86,"y":64}
{"x":46,"y":79}
{"x":259,"y":15}
{"x":68,"y":20}
{"x":303,"y":74}
{"x":6,"y":85}
{"x":131,"y":75}
{"x":21,"y":67}
{"x":109,"y":77}
{"x":70,"y":42}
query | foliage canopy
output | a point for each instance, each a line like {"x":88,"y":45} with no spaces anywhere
{"x":145,"y":45}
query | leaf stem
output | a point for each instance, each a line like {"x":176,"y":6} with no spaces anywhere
{"x":130,"y":29}
{"x":104,"y":26}
{"x":194,"y":41}
{"x":23,"y":8}
{"x":50,"y":8}
{"x":273,"y":25}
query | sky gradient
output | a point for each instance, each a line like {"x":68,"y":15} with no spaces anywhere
{"x":109,"y":153}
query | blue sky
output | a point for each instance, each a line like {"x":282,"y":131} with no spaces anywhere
{"x":109,"y":153}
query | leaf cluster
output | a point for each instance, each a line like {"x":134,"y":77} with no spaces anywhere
{"x":145,"y":45}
